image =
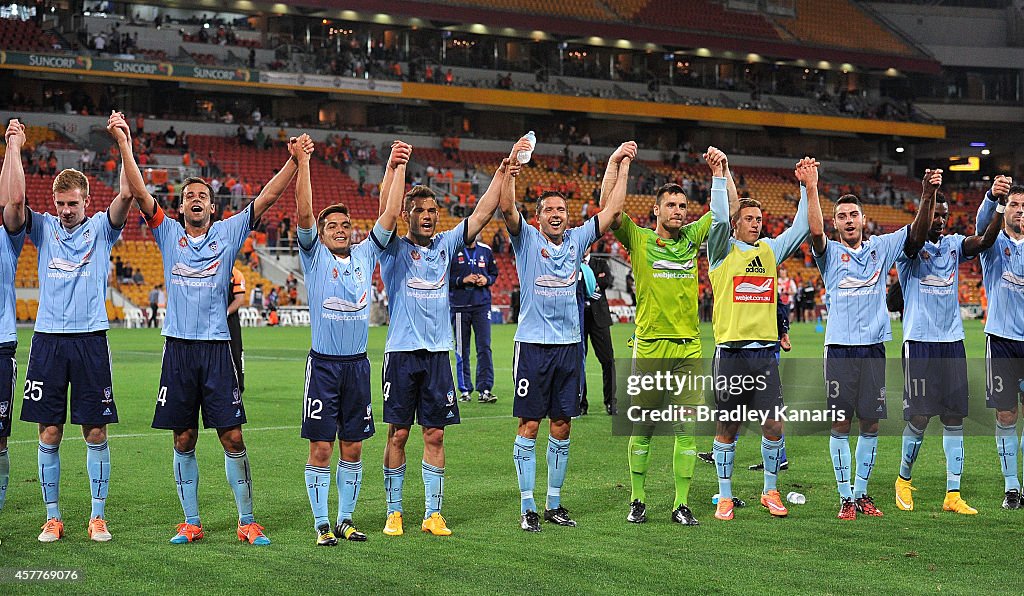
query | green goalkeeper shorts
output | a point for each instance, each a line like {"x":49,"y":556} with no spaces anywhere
{"x":654,"y":360}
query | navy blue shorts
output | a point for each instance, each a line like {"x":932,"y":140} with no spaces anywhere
{"x":198,"y":375}
{"x":547,"y":380}
{"x":747,"y":377}
{"x":57,"y":360}
{"x":855,"y":381}
{"x":419,"y":385}
{"x":8,"y":381}
{"x":1004,"y":359}
{"x":336,"y":400}
{"x":934,"y":379}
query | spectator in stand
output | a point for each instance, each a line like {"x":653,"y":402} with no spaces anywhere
{"x":171,"y":137}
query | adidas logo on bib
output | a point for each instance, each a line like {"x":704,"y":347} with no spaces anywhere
{"x":755,"y":266}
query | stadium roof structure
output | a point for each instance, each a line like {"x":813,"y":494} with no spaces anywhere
{"x":522,"y":24}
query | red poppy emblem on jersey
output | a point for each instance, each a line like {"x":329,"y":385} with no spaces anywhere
{"x":182,"y":242}
{"x":1006,"y":251}
{"x":335,"y":274}
{"x":845,"y":258}
{"x":925,"y":255}
{"x":415,"y":255}
{"x":660,"y":242}
{"x":544,"y":253}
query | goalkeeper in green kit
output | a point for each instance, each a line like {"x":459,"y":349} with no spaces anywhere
{"x":667,"y":337}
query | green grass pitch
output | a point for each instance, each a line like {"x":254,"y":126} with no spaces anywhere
{"x":905,"y":552}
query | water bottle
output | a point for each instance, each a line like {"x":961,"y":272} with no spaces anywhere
{"x":524,"y":156}
{"x":796,"y":498}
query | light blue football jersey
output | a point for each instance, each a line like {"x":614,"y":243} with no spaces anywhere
{"x":198,"y":274}
{"x":855,"y":288}
{"x":549,"y":312}
{"x":931,"y":308}
{"x":1002,"y":268}
{"x":339,"y":295}
{"x":10,"y":250}
{"x":73,"y":270}
{"x":416,"y":280}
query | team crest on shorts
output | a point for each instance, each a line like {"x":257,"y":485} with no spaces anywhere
{"x":3,"y":408}
{"x":182,"y":242}
{"x":236,"y":397}
{"x":369,"y":413}
{"x":213,"y":246}
{"x":108,"y":395}
{"x":451,"y":399}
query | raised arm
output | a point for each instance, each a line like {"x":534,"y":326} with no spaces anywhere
{"x":721,"y":225}
{"x":790,"y":240}
{"x":807,"y":173}
{"x":730,"y":187}
{"x":613,"y":203}
{"x":132,"y":183}
{"x":117,"y":212}
{"x":491,"y":200}
{"x":975,"y":245}
{"x":12,"y":178}
{"x":1000,"y":188}
{"x":277,"y":185}
{"x":611,"y":178}
{"x":507,"y":205}
{"x":396,"y":196}
{"x":399,"y":151}
{"x":918,"y":233}
{"x":304,"y":195}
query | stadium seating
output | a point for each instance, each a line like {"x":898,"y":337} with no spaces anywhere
{"x":25,"y":36}
{"x":702,"y":15}
{"x":329,"y":184}
{"x":841,"y":24}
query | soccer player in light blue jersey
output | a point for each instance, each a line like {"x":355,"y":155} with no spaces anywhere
{"x":336,"y":400}
{"x":1003,"y":275}
{"x":548,"y":361}
{"x":10,"y":249}
{"x":854,"y":271}
{"x":69,"y":346}
{"x":197,"y":372}
{"x":934,"y":361}
{"x":417,"y":379}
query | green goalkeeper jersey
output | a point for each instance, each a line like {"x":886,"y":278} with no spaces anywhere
{"x":665,"y":278}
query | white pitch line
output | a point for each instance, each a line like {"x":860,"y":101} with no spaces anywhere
{"x":164,"y":433}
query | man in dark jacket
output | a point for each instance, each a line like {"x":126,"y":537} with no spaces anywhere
{"x":473,"y":272}
{"x":597,"y":322}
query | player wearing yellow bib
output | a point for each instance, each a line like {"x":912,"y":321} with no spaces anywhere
{"x":744,"y":276}
{"x":664,"y":262}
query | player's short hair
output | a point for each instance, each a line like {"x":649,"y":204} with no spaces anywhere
{"x":1016,"y":189}
{"x":847,"y":199}
{"x":418,"y":192}
{"x":330,"y":210}
{"x":670,"y":188}
{"x":548,"y":194}
{"x":195,"y":180}
{"x":69,"y":180}
{"x":745,"y":204}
